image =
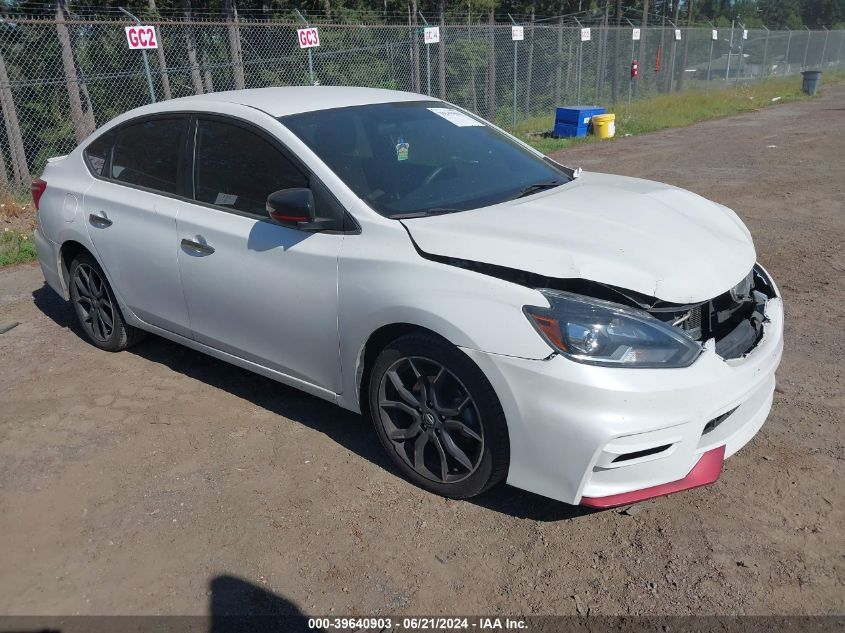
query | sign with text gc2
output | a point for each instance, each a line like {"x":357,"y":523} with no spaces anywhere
{"x":141,"y":37}
{"x":308,"y":38}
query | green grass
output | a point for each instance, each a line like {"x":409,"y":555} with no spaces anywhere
{"x":15,"y":248}
{"x":677,"y":110}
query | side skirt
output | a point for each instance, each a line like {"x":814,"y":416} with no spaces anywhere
{"x":290,"y":381}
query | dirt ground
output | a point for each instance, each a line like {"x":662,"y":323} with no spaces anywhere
{"x":156,"y":480}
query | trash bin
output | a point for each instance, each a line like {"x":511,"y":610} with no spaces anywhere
{"x":604,"y":125}
{"x":812,"y":81}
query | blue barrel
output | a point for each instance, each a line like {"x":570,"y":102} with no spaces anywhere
{"x":812,"y":81}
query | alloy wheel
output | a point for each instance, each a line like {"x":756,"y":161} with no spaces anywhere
{"x":93,"y":303}
{"x":431,"y":420}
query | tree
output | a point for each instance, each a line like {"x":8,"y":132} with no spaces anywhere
{"x":191,"y":42}
{"x":235,"y":44}
{"x":81,"y":114}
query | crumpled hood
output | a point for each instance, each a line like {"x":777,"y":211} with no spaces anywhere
{"x":645,"y":236}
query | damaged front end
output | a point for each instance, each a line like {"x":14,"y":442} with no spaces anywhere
{"x":734,"y":320}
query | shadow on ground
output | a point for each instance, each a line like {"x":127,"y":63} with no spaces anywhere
{"x":348,"y":429}
{"x":238,"y":605}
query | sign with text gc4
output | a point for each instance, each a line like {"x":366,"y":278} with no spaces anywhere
{"x":517,"y":33}
{"x":431,"y":34}
{"x":140,"y":36}
{"x":308,"y":38}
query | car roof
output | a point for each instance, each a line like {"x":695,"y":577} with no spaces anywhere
{"x":286,"y":100}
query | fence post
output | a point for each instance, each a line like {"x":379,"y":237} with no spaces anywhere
{"x":559,"y":65}
{"x":806,"y":49}
{"x":786,"y":57}
{"x":310,"y":55}
{"x":146,"y":60}
{"x":513,"y":116}
{"x":491,"y":67}
{"x":427,"y":57}
{"x":674,"y":51}
{"x":765,"y":54}
{"x":741,"y":49}
{"x":530,"y":67}
{"x":630,"y":71}
{"x":839,"y":52}
{"x":441,"y":55}
{"x":710,"y":60}
{"x":824,"y":47}
{"x":415,"y":45}
{"x":578,"y":72}
{"x":730,"y":54}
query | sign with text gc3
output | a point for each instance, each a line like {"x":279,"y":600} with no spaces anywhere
{"x":141,"y":37}
{"x":517,"y":33}
{"x":308,"y":38}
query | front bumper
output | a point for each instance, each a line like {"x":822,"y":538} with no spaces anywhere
{"x":595,"y":435}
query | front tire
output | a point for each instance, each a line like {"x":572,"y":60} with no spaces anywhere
{"x":96,"y":307}
{"x":438,"y":417}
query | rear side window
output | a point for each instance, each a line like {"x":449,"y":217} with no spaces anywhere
{"x":237,"y":169}
{"x":97,"y":153}
{"x":146,"y":154}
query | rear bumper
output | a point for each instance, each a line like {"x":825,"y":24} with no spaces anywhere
{"x":48,"y":258}
{"x":605,"y":436}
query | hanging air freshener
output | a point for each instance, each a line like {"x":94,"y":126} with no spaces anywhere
{"x":402,"y":149}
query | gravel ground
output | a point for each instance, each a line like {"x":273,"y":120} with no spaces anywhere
{"x":163,"y":481}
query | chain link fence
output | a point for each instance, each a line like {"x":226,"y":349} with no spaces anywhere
{"x":59,"y":80}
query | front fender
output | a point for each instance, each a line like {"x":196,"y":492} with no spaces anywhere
{"x":384,"y":281}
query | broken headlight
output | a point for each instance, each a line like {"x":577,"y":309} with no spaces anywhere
{"x":603,"y":333}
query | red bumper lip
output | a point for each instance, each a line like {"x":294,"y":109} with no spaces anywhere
{"x":706,"y":471}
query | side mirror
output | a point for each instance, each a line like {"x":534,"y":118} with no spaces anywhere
{"x":290,"y":207}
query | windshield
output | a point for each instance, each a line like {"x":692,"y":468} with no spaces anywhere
{"x":421,"y":158}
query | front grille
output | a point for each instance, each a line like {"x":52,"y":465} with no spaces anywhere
{"x":691,"y":323}
{"x":734,"y":320}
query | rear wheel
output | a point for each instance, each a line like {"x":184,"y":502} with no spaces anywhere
{"x":96,"y":308}
{"x":438,"y":417}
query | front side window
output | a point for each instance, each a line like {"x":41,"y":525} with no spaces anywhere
{"x":422,"y":157}
{"x":146,"y":154}
{"x":237,"y":169}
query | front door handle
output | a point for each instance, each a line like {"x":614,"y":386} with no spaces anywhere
{"x":197,"y":247}
{"x":100,"y":221}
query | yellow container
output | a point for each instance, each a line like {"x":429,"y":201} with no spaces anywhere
{"x":604,"y":125}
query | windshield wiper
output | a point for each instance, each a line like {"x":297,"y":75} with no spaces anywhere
{"x":539,"y":186}
{"x":424,"y":213}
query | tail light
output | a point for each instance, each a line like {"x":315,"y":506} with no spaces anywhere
{"x":38,"y":188}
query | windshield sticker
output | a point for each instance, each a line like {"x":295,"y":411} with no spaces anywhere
{"x":402,"y":149}
{"x":225,"y":199}
{"x":456,"y":117}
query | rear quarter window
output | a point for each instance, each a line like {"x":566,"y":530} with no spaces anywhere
{"x":97,"y":153}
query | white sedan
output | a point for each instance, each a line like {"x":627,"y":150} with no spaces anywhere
{"x":592,"y":338}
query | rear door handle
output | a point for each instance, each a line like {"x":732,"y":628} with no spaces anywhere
{"x":100,"y":221}
{"x":197,"y":247}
